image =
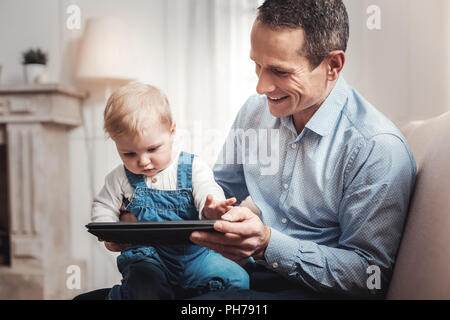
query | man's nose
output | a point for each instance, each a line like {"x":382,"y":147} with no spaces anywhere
{"x":144,"y":160}
{"x":265,"y":83}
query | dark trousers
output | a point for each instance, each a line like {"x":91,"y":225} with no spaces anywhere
{"x":264,"y":285}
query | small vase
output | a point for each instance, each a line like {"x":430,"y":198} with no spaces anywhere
{"x":32,"y":71}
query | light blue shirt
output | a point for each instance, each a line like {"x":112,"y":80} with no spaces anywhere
{"x":335,"y":196}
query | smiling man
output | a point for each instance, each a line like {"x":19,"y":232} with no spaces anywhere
{"x":336,"y":206}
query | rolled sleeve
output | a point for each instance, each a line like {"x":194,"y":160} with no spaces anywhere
{"x":284,"y":253}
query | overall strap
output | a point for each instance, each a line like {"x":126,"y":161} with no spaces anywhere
{"x":184,"y":175}
{"x":135,"y":180}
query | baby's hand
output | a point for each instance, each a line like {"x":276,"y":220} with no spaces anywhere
{"x":116,"y":247}
{"x":125,"y":216}
{"x":215,"y":209}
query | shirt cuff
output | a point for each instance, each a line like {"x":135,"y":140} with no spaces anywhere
{"x":281,"y":253}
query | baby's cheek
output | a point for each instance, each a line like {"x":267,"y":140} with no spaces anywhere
{"x":164,"y":160}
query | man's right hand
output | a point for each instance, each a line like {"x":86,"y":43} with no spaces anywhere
{"x":125,"y":216}
{"x":241,"y":235}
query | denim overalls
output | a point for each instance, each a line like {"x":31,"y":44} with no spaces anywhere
{"x":185,"y":266}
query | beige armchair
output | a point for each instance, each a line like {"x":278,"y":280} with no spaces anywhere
{"x":422,"y":270}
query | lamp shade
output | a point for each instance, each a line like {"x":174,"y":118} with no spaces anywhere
{"x":106,"y":51}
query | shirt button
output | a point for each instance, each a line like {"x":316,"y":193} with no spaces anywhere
{"x":284,"y":220}
{"x":293,"y":146}
{"x":275,"y":265}
{"x":286,"y":186}
{"x":154,"y":180}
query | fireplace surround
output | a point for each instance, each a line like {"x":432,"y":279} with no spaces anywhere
{"x":35,"y":121}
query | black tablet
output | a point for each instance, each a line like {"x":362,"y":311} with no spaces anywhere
{"x":149,"y":233}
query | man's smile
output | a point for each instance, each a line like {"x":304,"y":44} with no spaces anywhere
{"x":277,"y":100}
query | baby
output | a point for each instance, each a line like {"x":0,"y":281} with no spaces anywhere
{"x":156,"y":183}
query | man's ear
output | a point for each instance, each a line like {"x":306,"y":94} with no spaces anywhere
{"x":335,"y":64}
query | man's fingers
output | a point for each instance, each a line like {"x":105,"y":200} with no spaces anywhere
{"x":235,"y":249}
{"x":218,"y":238}
{"x":245,"y":228}
{"x":230,"y":252}
{"x":226,"y":241}
{"x":238,"y":214}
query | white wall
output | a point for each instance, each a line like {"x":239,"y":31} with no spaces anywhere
{"x":25,"y":24}
{"x":401,"y":68}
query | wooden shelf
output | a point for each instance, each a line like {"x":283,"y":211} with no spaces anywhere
{"x":43,"y":88}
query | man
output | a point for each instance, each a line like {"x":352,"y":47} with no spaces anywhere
{"x":333,"y":213}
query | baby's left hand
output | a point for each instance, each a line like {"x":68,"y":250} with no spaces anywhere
{"x":215,"y":209}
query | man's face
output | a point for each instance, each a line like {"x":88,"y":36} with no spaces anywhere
{"x":285,"y":76}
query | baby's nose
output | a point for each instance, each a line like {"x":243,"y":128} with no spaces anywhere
{"x":144,"y":161}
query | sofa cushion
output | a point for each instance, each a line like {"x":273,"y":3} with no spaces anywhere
{"x":422,"y":270}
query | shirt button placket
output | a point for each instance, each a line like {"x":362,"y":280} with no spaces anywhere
{"x":154,"y":183}
{"x":287,"y":173}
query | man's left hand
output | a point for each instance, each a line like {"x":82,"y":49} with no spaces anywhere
{"x":242,"y":235}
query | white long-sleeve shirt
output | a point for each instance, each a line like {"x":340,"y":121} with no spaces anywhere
{"x":106,"y":205}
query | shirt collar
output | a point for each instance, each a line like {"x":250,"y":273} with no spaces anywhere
{"x":323,"y":120}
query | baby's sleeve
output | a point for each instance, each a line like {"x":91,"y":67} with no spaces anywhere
{"x":107,"y":203}
{"x":203,"y":184}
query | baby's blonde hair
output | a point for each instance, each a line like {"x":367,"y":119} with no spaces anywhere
{"x":132,"y":108}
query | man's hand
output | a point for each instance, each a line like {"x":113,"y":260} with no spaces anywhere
{"x":242,"y":235}
{"x":215,"y":209}
{"x":125,"y":216}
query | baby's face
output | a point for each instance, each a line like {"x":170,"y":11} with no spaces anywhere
{"x":147,"y":154}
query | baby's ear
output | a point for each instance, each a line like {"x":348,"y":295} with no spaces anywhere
{"x":173,"y":128}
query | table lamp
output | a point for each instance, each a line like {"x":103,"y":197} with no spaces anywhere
{"x":106,"y":53}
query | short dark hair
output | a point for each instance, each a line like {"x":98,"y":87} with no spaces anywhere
{"x":325,"y":23}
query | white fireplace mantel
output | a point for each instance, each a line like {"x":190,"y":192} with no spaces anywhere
{"x":34,"y":125}
{"x":43,"y":103}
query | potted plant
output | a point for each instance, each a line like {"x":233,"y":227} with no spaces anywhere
{"x":34,"y":62}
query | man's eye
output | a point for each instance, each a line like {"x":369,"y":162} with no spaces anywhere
{"x":280,"y":73}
